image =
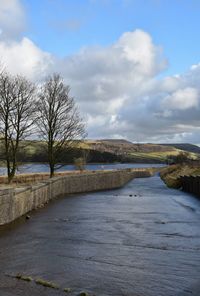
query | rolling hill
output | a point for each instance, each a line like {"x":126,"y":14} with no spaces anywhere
{"x":185,"y":147}
{"x":108,"y":150}
{"x":136,"y":152}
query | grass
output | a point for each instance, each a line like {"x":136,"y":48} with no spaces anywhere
{"x":159,"y":156}
{"x":24,"y":278}
{"x":42,"y":282}
{"x":170,"y":175}
{"x":46,"y":284}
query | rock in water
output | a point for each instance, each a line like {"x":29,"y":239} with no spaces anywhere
{"x":83,"y":294}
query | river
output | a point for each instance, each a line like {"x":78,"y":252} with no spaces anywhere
{"x":141,"y":240}
{"x":41,"y":167}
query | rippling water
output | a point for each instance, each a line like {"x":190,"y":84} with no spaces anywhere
{"x":141,"y":240}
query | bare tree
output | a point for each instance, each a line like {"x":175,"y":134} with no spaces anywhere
{"x":58,"y":119}
{"x":16,"y":110}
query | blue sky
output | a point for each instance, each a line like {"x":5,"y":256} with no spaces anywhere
{"x":64,"y":26}
{"x":133,"y":66}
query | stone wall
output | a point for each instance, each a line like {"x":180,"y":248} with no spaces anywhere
{"x":16,"y":202}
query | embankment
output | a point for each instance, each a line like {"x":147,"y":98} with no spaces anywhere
{"x":182,"y":176}
{"x":16,"y":202}
{"x":191,"y":184}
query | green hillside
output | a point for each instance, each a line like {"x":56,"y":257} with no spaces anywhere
{"x":102,"y":151}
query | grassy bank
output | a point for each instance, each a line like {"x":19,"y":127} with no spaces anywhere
{"x":170,"y":175}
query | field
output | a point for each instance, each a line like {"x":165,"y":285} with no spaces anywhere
{"x":160,"y":156}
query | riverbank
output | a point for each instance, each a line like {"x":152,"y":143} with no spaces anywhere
{"x":18,"y":201}
{"x":171,"y":174}
{"x":28,"y":168}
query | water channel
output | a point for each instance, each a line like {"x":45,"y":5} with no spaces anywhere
{"x":141,"y":240}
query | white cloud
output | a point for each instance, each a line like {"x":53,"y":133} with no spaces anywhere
{"x":138,"y":48}
{"x":116,"y":86}
{"x":19,"y":54}
{"x":102,"y":78}
{"x":170,"y":84}
{"x":182,"y":99}
{"x":25,"y":58}
{"x":12,"y":18}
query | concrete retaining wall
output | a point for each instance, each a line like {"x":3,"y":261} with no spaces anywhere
{"x":15,"y":202}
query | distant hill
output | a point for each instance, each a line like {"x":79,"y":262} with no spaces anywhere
{"x":108,"y":150}
{"x":116,"y":141}
{"x":136,"y":152}
{"x":120,"y":146}
{"x":185,"y":147}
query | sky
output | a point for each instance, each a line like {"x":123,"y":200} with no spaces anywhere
{"x":133,"y":66}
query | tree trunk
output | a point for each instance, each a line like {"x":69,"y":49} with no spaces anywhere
{"x":51,"y":170}
{"x":50,"y":156}
{"x":10,"y":178}
{"x":11,"y":173}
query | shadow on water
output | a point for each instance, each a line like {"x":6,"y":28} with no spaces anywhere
{"x":141,"y":240}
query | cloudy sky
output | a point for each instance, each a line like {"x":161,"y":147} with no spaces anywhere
{"x":133,"y":65}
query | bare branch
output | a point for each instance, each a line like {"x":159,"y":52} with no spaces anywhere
{"x":16,"y":116}
{"x":58,"y":120}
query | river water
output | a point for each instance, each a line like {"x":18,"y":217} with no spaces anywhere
{"x":41,"y":167}
{"x":141,"y":240}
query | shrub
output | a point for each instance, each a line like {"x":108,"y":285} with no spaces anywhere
{"x":79,"y":163}
{"x":182,"y":157}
